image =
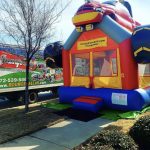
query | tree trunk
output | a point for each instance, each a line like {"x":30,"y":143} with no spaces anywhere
{"x":27,"y":87}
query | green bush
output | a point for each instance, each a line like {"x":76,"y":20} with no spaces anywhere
{"x":109,"y":139}
{"x":140,"y":132}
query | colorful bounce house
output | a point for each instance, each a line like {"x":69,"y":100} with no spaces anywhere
{"x":106,"y":60}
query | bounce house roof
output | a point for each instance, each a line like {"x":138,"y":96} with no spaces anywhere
{"x":116,"y":32}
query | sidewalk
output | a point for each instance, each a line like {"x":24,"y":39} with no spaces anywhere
{"x":62,"y":136}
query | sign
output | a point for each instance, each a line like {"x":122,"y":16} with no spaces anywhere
{"x":11,"y":61}
{"x":119,"y":99}
{"x":99,"y":42}
{"x":13,"y":73}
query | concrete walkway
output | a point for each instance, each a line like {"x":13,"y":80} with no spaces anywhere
{"x":62,"y":136}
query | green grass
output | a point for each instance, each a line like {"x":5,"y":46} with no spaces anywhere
{"x":116,"y":114}
{"x":104,"y":113}
{"x":56,"y":105}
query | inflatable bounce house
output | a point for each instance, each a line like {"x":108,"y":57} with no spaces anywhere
{"x":106,"y":60}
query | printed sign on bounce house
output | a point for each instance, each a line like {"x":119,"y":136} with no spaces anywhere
{"x":99,"y":42}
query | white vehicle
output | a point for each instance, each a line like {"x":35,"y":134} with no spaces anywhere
{"x":12,"y":75}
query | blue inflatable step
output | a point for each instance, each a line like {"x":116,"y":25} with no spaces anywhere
{"x":93,"y":104}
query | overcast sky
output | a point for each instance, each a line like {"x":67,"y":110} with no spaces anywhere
{"x":140,"y":9}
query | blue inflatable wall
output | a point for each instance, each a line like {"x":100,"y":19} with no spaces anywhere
{"x":113,"y":98}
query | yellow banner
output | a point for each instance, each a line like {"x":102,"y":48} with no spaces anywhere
{"x":99,"y":42}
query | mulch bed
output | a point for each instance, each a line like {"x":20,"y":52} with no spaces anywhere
{"x":15,"y":123}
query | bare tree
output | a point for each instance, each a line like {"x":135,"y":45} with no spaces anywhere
{"x":30,"y":23}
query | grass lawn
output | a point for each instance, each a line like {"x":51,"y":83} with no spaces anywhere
{"x":15,"y":123}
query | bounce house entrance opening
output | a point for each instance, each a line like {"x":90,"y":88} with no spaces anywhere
{"x":96,"y":69}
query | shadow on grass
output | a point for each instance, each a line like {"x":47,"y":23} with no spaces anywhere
{"x":77,"y":114}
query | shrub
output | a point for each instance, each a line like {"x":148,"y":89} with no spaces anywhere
{"x":140,"y":132}
{"x":109,"y":138}
{"x":117,"y":139}
{"x":92,"y":147}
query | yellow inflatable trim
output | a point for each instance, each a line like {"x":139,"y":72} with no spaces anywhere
{"x":80,"y":81}
{"x":84,"y":17}
{"x":144,"y":81}
{"x":141,"y":49}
